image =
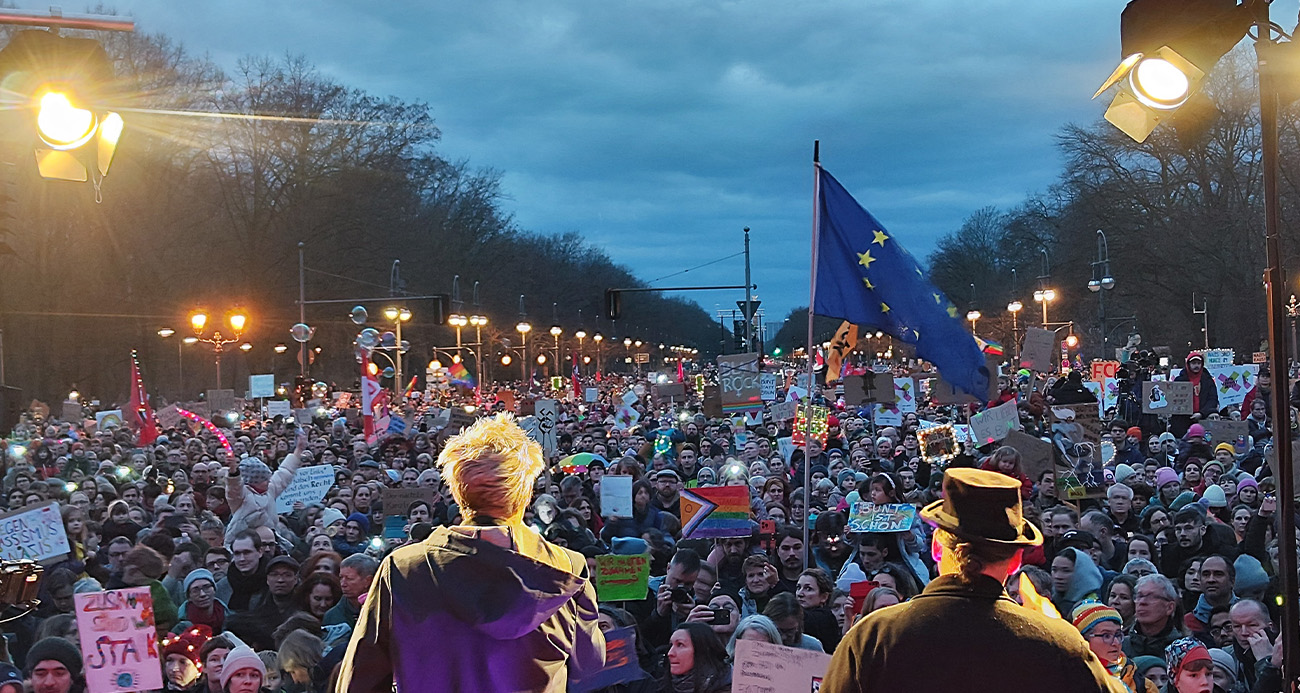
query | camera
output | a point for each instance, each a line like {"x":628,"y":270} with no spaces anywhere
{"x":681,"y":595}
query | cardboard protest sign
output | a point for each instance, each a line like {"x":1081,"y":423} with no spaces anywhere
{"x":397,"y":501}
{"x":1100,"y":370}
{"x":1166,"y":398}
{"x":221,"y":400}
{"x":868,"y":387}
{"x":34,"y":533}
{"x":262,"y":385}
{"x":169,"y":416}
{"x":784,"y":411}
{"x":616,"y":496}
{"x":309,"y":485}
{"x":1076,"y":439}
{"x":119,"y":641}
{"x":712,"y":402}
{"x":993,"y":424}
{"x":622,"y":578}
{"x":767,"y":386}
{"x":670,"y":392}
{"x":1035,"y":453}
{"x":738,"y":378}
{"x":71,"y":411}
{"x":1039,"y":350}
{"x":1259,"y":357}
{"x":762,"y":666}
{"x":905,"y":394}
{"x":715,"y":511}
{"x":1237,"y":433}
{"x":890,"y":517}
{"x":621,"y":663}
{"x":279,"y":407}
{"x":459,"y":419}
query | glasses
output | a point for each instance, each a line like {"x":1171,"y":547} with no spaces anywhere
{"x":1113,"y":636}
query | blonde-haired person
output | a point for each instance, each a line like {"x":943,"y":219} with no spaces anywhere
{"x":508,"y":610}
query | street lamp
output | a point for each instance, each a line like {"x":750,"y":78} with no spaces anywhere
{"x":523,"y":327}
{"x":199,"y":321}
{"x":1101,"y":279}
{"x":458,"y":321}
{"x":397,"y":316}
{"x":973,"y":316}
{"x":1045,"y":296}
{"x":1014,"y":307}
{"x":281,"y":348}
{"x":478,"y":322}
{"x":556,"y":331}
{"x":598,"y":338}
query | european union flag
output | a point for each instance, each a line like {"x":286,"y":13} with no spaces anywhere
{"x":865,"y":276}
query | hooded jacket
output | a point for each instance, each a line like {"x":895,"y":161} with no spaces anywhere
{"x":456,"y":612}
{"x":1085,"y":583}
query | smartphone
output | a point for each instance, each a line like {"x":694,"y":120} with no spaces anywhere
{"x":721,"y":617}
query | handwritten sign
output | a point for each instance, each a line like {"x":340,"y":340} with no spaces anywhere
{"x":119,"y":642}
{"x":784,"y":411}
{"x":738,"y":378}
{"x":221,"y":400}
{"x":1219,"y":358}
{"x":817,"y":429}
{"x":890,"y":517}
{"x":616,"y":496}
{"x":767,"y":386}
{"x":398,"y":500}
{"x":993,"y":424}
{"x":762,"y":666}
{"x":309,"y":485}
{"x":622,"y":578}
{"x":1038,"y":349}
{"x":1104,"y":369}
{"x":279,"y":407}
{"x":1167,"y":398}
{"x":1076,"y":439}
{"x":34,"y":533}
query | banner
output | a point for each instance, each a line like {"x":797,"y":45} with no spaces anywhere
{"x":621,"y":663}
{"x":738,"y":378}
{"x":993,"y":424}
{"x":119,"y":642}
{"x":762,"y":666}
{"x":309,"y":485}
{"x":34,"y":533}
{"x":616,"y":496}
{"x":622,"y":578}
{"x":716,"y":511}
{"x":890,"y":517}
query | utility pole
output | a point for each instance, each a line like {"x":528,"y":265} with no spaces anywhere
{"x":302,"y":308}
{"x":749,"y":308}
{"x":1204,"y":312}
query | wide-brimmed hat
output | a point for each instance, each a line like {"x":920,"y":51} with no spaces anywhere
{"x":982,"y":506}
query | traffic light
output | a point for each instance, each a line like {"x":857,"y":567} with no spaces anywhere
{"x":66,"y":82}
{"x":1168,"y":47}
{"x":613,"y":304}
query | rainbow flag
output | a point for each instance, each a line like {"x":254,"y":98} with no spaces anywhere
{"x":459,"y":375}
{"x":990,"y":347}
{"x":716,"y":511}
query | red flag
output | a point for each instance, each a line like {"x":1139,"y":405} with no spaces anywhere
{"x":681,"y":374}
{"x":577,"y":391}
{"x":139,"y":413}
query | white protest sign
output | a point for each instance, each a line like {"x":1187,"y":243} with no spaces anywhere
{"x":762,"y":666}
{"x":309,"y":485}
{"x":886,"y":415}
{"x":261,"y":385}
{"x":279,"y":407}
{"x":784,"y":411}
{"x":118,"y":637}
{"x":629,"y":398}
{"x":1234,"y":382}
{"x":993,"y":424}
{"x":905,"y":394}
{"x":767,"y":386}
{"x":785,"y":446}
{"x":34,"y":533}
{"x":591,"y":394}
{"x":105,"y":420}
{"x":303,"y":417}
{"x":616,"y":496}
{"x":1218,"y":358}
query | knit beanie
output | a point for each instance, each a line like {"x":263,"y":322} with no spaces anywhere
{"x":1122,"y":472}
{"x":1225,"y":446}
{"x":1224,"y":662}
{"x":361,"y":519}
{"x":1180,"y":653}
{"x":1214,"y":496}
{"x":1089,"y":613}
{"x":188,"y":644}
{"x":254,"y":471}
{"x":1245,"y":481}
{"x":329,"y":516}
{"x":1133,"y":432}
{"x":1251,"y":578}
{"x":243,"y":657}
{"x":56,"y":649}
{"x":1195,"y":432}
{"x":1182,"y":499}
{"x":1166,"y":475}
{"x":1143,"y":664}
{"x":195,"y":576}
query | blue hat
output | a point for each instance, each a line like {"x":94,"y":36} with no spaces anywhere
{"x":362,"y":520}
{"x":195,"y":576}
{"x":628,"y":546}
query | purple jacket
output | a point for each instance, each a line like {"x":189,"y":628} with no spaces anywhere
{"x":458,"y":613}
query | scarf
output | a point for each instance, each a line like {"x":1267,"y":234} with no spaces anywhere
{"x":1123,"y":670}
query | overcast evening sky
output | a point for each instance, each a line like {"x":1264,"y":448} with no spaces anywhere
{"x":658,"y":129}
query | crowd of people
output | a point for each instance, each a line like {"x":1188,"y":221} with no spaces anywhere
{"x":1171,"y":576}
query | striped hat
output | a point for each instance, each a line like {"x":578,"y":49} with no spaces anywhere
{"x":1089,"y":613}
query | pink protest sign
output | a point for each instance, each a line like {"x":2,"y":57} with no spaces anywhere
{"x":119,"y":643}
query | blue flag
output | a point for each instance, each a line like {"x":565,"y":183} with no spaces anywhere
{"x":865,"y":276}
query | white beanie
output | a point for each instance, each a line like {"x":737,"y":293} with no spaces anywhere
{"x":242,"y":657}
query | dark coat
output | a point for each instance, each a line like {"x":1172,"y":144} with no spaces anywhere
{"x":959,"y":637}
{"x":459,"y":613}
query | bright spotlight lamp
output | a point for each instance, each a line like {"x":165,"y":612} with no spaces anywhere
{"x":60,"y":122}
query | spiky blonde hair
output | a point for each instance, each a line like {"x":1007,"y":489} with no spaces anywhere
{"x":490,"y":468}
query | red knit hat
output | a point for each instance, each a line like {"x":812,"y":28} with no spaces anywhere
{"x":188,"y":643}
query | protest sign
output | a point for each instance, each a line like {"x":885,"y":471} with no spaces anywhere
{"x":1035,"y":453}
{"x":712,"y":402}
{"x":119,"y":641}
{"x":221,"y":400}
{"x":786,"y":447}
{"x":626,"y":417}
{"x":279,"y":407}
{"x":670,"y":392}
{"x":621,"y":664}
{"x":622,"y":578}
{"x":105,"y":420}
{"x":889,"y":517}
{"x":1218,"y":358}
{"x":71,"y":411}
{"x":762,"y":667}
{"x":716,"y":511}
{"x":1166,"y":398}
{"x":767,"y":386}
{"x":1104,"y":369}
{"x":886,"y":415}
{"x":1039,"y":350}
{"x":868,"y":387}
{"x":938,"y":444}
{"x":34,"y":533}
{"x":1226,"y":431}
{"x":784,"y":411}
{"x":905,"y":394}
{"x":591,"y":394}
{"x":1259,"y":357}
{"x":993,"y":424}
{"x":309,"y":485}
{"x":169,"y":416}
{"x":302,"y":417}
{"x":817,"y":429}
{"x":1076,"y":439}
{"x":616,"y":496}
{"x":738,"y":378}
{"x":261,"y":385}
{"x":547,"y":412}
{"x":397,"y":501}
{"x":1233,"y":383}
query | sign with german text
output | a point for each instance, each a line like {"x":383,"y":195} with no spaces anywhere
{"x":34,"y":533}
{"x":119,"y":642}
{"x":1167,"y":398}
{"x":993,"y":424}
{"x":762,"y":667}
{"x":309,"y":485}
{"x":622,"y":578}
{"x":889,"y":517}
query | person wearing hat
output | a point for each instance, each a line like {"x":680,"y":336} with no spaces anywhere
{"x":1191,"y":669}
{"x":963,"y":633}
{"x":242,"y":671}
{"x":182,"y":658}
{"x":666,"y":498}
{"x":54,"y":666}
{"x":251,"y":489}
{"x":1103,"y":628}
{"x":201,"y":605}
{"x":11,"y":678}
{"x":1205,"y":394}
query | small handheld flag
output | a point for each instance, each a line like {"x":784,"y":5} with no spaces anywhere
{"x":716,"y":511}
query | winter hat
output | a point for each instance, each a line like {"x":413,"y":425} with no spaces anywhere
{"x":329,"y":516}
{"x":188,"y":644}
{"x":1180,"y":653}
{"x":1224,"y":662}
{"x":1089,"y":613}
{"x":1133,"y":432}
{"x":254,"y":471}
{"x":10,"y":674}
{"x":1144,"y":663}
{"x":845,"y":474}
{"x":1214,"y":496}
{"x":629,"y":546}
{"x":362,"y":520}
{"x":1251,"y":578}
{"x":1245,"y":481}
{"x":1225,"y":446}
{"x":243,"y":657}
{"x":852,"y":573}
{"x":427,"y":475}
{"x":56,"y":649}
{"x":195,"y":576}
{"x":1166,"y":475}
{"x":1195,"y":432}
{"x":1212,"y":463}
{"x":1186,"y":498}
{"x":1122,"y":472}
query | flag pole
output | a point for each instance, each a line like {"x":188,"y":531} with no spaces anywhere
{"x":812,"y":381}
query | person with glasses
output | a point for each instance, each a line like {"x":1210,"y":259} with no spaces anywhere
{"x":1103,"y":628}
{"x":201,"y":606}
{"x":1155,"y":625}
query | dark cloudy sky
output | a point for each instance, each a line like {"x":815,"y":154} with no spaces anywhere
{"x":660,"y":128}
